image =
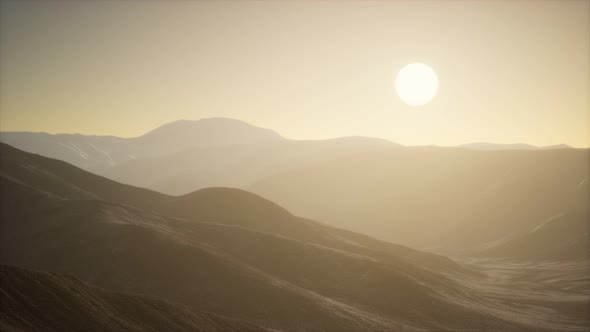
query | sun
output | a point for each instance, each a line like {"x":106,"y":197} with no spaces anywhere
{"x":416,"y":84}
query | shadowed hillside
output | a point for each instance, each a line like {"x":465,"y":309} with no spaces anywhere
{"x":561,"y":237}
{"x":450,"y":200}
{"x":220,"y":205}
{"x":39,"y":301}
{"x":295,"y":166}
{"x":291,"y":273}
{"x":445,"y":198}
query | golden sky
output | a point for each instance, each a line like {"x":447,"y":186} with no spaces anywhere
{"x":509,"y":71}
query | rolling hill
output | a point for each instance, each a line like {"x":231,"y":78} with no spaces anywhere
{"x":234,"y":165}
{"x":480,"y":194}
{"x":440,"y":198}
{"x":41,"y":301}
{"x":564,"y":236}
{"x":235,"y":254}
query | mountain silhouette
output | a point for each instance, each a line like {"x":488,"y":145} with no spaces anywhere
{"x":98,"y":153}
{"x":183,"y":134}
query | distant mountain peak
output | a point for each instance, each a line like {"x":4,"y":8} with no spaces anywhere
{"x":511,"y":146}
{"x":203,"y":123}
{"x":556,"y":146}
{"x":209,"y":131}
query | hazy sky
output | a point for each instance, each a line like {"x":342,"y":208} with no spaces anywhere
{"x":509,"y":71}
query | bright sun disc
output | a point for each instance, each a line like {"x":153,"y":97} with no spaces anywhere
{"x":416,"y":84}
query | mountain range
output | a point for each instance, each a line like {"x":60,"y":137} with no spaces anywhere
{"x":97,"y":153}
{"x":367,"y":185}
{"x":515,"y":146}
{"x":446,"y":199}
{"x":223,"y":258}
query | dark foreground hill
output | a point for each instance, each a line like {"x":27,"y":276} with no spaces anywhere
{"x":214,"y":205}
{"x":40,"y":301}
{"x":232,"y":270}
{"x":235,"y":254}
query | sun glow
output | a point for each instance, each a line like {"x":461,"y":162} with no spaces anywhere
{"x":416,"y":84}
